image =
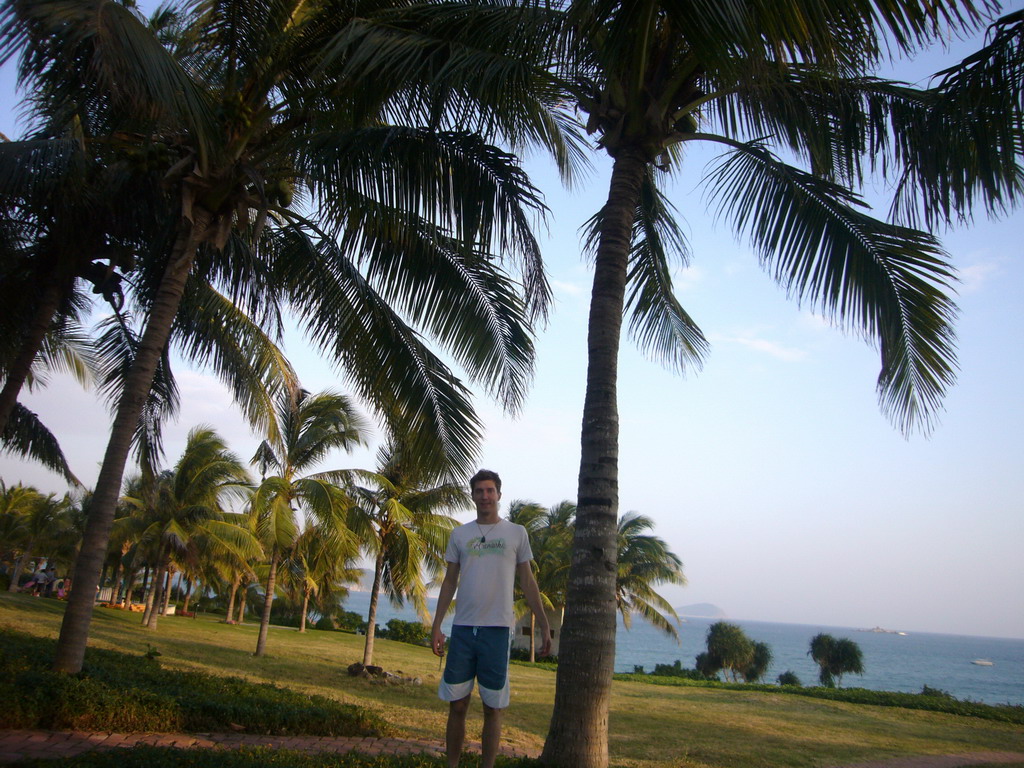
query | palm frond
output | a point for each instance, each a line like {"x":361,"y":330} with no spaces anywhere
{"x":25,"y":435}
{"x":452,"y":179}
{"x":881,"y":280}
{"x":488,"y":65}
{"x":211,"y":330}
{"x":968,"y":143}
{"x":122,"y":65}
{"x":658,"y":323}
{"x":116,"y":347}
{"x":386,"y":361}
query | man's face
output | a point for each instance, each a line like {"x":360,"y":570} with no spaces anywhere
{"x":486,"y":497}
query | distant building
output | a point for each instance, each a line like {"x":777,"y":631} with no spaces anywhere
{"x":521,"y":638}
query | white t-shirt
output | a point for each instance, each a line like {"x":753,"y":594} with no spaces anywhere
{"x":487,"y":571}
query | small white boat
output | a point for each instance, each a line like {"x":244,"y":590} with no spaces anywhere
{"x":983,"y":663}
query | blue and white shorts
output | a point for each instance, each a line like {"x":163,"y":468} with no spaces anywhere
{"x":479,"y":653}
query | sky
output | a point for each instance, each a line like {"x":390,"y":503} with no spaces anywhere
{"x":771,"y":472}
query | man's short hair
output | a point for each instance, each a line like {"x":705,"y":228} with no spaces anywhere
{"x":485,"y":474}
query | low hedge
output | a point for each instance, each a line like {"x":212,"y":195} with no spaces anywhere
{"x":166,"y":757}
{"x":930,"y":701}
{"x":124,"y":693}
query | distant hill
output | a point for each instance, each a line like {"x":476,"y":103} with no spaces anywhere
{"x":702,"y":611}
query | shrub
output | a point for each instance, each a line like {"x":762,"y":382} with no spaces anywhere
{"x":164,"y":757}
{"x":523,"y":654}
{"x":412,"y":632}
{"x":119,"y":692}
{"x":1007,"y":713}
{"x":677,"y":670}
{"x":789,"y":678}
{"x":349,"y":620}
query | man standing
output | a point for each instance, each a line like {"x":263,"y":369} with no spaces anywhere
{"x":483,"y":557}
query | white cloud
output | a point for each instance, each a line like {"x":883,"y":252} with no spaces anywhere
{"x":688,"y":278}
{"x":771,"y":348}
{"x":974,"y":277}
{"x":572,"y":289}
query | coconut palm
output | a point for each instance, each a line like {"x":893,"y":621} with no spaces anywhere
{"x":752,"y":79}
{"x":186,"y":507}
{"x":17,"y":504}
{"x":645,"y":561}
{"x":306,"y":430}
{"x":316,"y":572}
{"x":402,"y":524}
{"x":244,"y":118}
{"x":550,"y":531}
{"x":39,"y":521}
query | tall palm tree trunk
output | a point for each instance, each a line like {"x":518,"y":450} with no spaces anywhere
{"x":129,"y":586}
{"x":74,"y":630}
{"x":189,"y":585}
{"x":49,"y":303}
{"x":268,"y":602}
{"x":115,"y":583}
{"x":149,"y":589}
{"x":305,"y":608}
{"x":371,"y":614}
{"x":230,"y":614}
{"x":156,"y":594}
{"x":241,"y":607}
{"x":578,"y":734}
{"x":167,"y":591}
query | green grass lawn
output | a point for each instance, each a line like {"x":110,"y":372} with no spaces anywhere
{"x":668,"y":727}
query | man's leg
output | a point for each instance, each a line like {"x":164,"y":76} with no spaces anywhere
{"x":491,"y":736}
{"x":455,"y":733}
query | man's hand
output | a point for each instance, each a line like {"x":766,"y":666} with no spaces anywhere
{"x":437,"y":641}
{"x":545,"y":646}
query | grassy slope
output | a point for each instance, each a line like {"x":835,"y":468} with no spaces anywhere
{"x":650,"y":726}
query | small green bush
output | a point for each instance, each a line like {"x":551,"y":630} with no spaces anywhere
{"x":412,"y":632}
{"x":163,"y":757}
{"x":789,"y":678}
{"x":1007,"y":713}
{"x":124,"y":693}
{"x":677,"y":670}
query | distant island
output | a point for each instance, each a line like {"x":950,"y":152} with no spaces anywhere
{"x":702,"y":611}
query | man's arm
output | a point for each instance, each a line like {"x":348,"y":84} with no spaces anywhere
{"x":444,"y":599}
{"x":529,"y":586}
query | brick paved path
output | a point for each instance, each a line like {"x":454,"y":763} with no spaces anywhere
{"x":943,"y":761}
{"x":21,"y":745}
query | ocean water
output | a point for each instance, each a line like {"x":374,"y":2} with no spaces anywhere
{"x":892,"y":662}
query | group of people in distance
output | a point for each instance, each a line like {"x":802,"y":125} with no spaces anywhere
{"x":44,"y":583}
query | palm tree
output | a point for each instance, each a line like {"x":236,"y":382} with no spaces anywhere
{"x":17,"y":503}
{"x":316,"y":572}
{"x":187,"y":505}
{"x":307,"y":428}
{"x":38,"y":522}
{"x":550,"y":532}
{"x":652,"y":77}
{"x":645,"y":561}
{"x":402,"y":525}
{"x":247,"y":117}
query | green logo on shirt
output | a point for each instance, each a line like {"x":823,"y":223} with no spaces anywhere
{"x":479,"y":548}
